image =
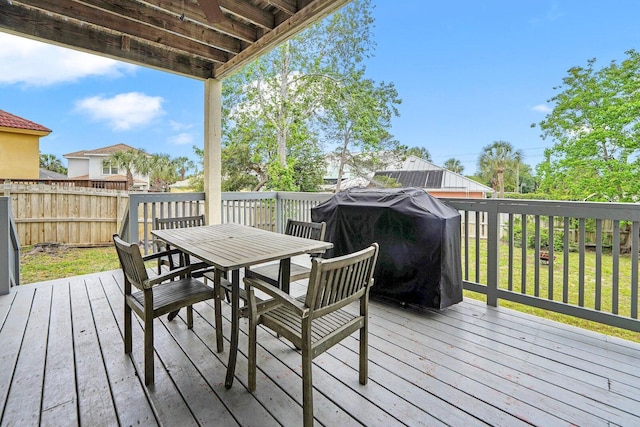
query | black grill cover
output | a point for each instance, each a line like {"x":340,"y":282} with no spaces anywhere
{"x":419,"y":236}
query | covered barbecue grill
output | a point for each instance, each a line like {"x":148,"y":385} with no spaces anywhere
{"x":419,"y":261}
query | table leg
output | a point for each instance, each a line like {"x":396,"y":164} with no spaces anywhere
{"x":285,"y":274}
{"x":235,"y":327}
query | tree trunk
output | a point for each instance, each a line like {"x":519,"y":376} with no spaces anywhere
{"x":343,"y":160}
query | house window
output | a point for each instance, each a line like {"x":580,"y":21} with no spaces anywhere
{"x":109,"y":169}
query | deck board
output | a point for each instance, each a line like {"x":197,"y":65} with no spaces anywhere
{"x":59,"y":397}
{"x":62,"y":362}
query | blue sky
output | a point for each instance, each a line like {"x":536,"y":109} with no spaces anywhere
{"x":469,"y":73}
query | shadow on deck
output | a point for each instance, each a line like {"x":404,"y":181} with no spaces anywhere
{"x":62,"y":363}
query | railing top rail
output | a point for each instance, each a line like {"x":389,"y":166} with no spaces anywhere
{"x":314,"y":197}
{"x":596,"y":210}
{"x":164,"y":197}
{"x":250,"y":195}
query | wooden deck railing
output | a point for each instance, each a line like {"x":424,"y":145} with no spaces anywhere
{"x":9,"y":248}
{"x":566,"y":257}
{"x":582,"y":271}
{"x":266,"y":210}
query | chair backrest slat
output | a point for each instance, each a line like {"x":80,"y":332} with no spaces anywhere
{"x":131,"y":263}
{"x":339,"y":281}
{"x":179,"y":222}
{"x":307,"y":230}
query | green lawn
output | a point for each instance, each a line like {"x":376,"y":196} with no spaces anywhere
{"x":38,"y":266}
{"x":557,"y":289}
{"x":41,"y":265}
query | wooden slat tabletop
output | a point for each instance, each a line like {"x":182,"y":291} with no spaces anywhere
{"x":233,"y":246}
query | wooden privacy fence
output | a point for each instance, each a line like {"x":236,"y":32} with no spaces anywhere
{"x":73,"y":216}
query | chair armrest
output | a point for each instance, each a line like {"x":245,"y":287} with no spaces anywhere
{"x":280,"y":296}
{"x":160,"y":254}
{"x":180,"y":271}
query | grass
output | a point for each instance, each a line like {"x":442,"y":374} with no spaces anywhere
{"x":38,"y":265}
{"x":555,"y":285}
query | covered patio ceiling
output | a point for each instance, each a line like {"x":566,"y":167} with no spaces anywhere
{"x":170,"y":35}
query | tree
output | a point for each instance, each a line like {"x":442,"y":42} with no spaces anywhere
{"x":51,"y":163}
{"x":130,"y":160}
{"x":275,"y":105}
{"x":357,"y":111}
{"x":359,"y":116}
{"x":595,"y":127}
{"x":162,"y":171}
{"x":182,"y":165}
{"x":419,"y":152}
{"x":496,"y":159}
{"x":454,"y":165}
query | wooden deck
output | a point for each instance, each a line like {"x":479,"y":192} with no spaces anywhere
{"x":62,"y":363}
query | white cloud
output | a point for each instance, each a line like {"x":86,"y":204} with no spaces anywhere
{"x":182,"y":139}
{"x":124,"y":111}
{"x":541,"y":108}
{"x":177,"y":126}
{"x":33,"y":63}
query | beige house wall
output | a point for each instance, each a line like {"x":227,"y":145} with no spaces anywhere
{"x":19,"y":155}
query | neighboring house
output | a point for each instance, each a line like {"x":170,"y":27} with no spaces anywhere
{"x":412,"y":172}
{"x":181,"y":186}
{"x":350,"y":177}
{"x":436,"y":180}
{"x":94,"y":165}
{"x":20,"y":147}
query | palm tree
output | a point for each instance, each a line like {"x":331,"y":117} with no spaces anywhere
{"x":454,"y":165}
{"x":495,"y":159}
{"x":182,"y":165}
{"x":162,"y":171}
{"x":51,"y":163}
{"x":130,"y":160}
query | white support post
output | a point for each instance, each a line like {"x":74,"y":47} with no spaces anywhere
{"x":213,"y":150}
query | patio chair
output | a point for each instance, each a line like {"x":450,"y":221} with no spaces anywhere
{"x":315,"y":322}
{"x":181,"y":259}
{"x":157,"y":296}
{"x":270,"y":273}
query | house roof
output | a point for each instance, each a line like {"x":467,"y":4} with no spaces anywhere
{"x":104,"y":151}
{"x":47,"y":174}
{"x":12,"y":121}
{"x":417,"y":172}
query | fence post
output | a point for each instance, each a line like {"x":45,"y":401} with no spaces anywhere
{"x":493,"y":253}
{"x":133,"y":218}
{"x":279,"y":226}
{"x":9,"y":249}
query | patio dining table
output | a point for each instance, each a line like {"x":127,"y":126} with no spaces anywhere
{"x":230,"y":247}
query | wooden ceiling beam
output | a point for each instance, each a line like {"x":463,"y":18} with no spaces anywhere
{"x":287,"y":6}
{"x":144,"y":13}
{"x":25,"y":21}
{"x":248,"y":12}
{"x":193,"y":13}
{"x":119,"y":23}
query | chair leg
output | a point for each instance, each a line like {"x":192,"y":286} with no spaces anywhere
{"x":217,"y":303}
{"x":253,"y":320}
{"x":148,"y":349}
{"x":127,"y":328}
{"x":364,"y":353}
{"x":172,"y":315}
{"x":190,"y":317}
{"x":307,"y":387}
